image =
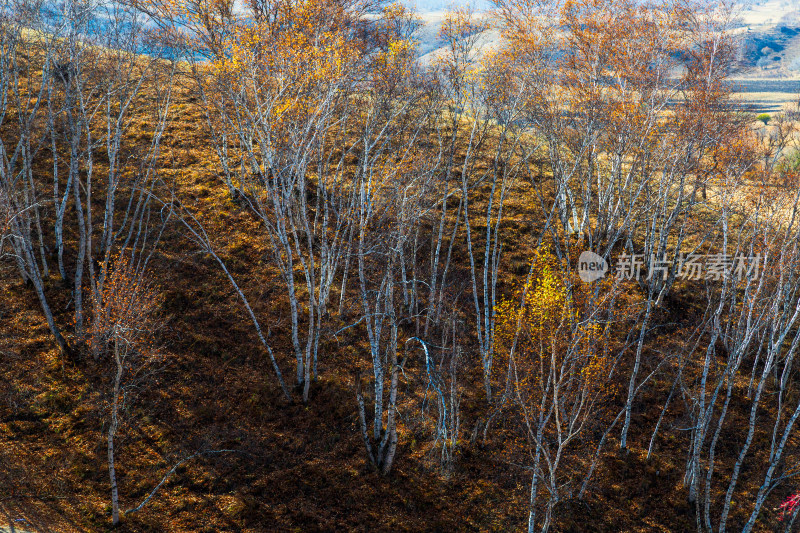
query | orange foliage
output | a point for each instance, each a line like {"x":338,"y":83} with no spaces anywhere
{"x":123,"y":308}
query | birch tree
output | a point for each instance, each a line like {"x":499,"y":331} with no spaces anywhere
{"x":72,"y":93}
{"x":556,"y":339}
{"x":122,"y":327}
{"x":25,"y":76}
{"x":392,"y":182}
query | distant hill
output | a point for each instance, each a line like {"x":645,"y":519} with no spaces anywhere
{"x":434,"y":6}
{"x":768,"y":36}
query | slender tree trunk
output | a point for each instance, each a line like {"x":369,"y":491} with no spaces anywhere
{"x":112,"y":431}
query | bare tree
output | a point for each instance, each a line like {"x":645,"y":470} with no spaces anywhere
{"x":122,"y":328}
{"x":18,"y":146}
{"x":280,"y":127}
{"x":392,"y":181}
{"x":83,"y":81}
{"x":557,"y":344}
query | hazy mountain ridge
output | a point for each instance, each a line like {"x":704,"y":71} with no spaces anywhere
{"x":434,"y":6}
{"x":768,"y":36}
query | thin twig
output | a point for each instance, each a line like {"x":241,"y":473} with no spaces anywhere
{"x":171,"y":471}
